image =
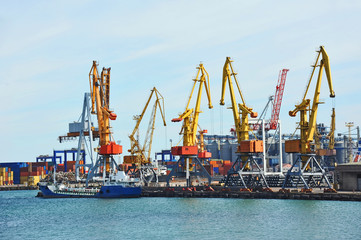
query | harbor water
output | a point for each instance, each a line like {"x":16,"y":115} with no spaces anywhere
{"x":23,"y":216}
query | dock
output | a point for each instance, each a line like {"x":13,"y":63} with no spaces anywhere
{"x":17,"y":187}
{"x":220,"y":192}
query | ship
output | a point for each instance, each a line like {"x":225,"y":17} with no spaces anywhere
{"x":116,"y":186}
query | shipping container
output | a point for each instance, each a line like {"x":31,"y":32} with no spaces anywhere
{"x":293,"y":146}
{"x":251,"y":146}
{"x":130,"y":159}
{"x":184,"y":150}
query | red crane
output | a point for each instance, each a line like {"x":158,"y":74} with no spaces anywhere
{"x":278,"y":98}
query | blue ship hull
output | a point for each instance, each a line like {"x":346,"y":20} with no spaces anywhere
{"x":107,"y":191}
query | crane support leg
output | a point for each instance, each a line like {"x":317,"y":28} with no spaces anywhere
{"x":101,"y":162}
{"x":253,"y":178}
{"x":198,"y":170}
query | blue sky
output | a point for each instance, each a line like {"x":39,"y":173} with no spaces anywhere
{"x":47,"y":48}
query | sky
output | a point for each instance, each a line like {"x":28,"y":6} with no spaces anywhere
{"x":47,"y":49}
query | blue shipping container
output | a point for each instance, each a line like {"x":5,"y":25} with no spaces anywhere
{"x":273,"y":161}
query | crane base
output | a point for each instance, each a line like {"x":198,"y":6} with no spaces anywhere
{"x":311,"y":178}
{"x":252,"y":178}
{"x":146,"y":173}
{"x":198,"y":170}
{"x":101,"y":164}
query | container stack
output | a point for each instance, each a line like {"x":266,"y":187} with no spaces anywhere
{"x":6,"y":176}
{"x":70,"y":167}
{"x":220,"y":167}
{"x":30,"y":173}
{"x":15,"y":168}
{"x":215,"y":167}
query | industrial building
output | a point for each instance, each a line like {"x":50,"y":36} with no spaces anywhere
{"x":349,"y":176}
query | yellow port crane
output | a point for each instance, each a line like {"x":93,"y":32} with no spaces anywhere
{"x":246,"y":148}
{"x":308,"y":127}
{"x":140,"y":155}
{"x":189,"y":152}
{"x":100,"y":92}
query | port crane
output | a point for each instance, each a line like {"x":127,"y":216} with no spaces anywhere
{"x":309,"y":166}
{"x":274,"y":124}
{"x":189,"y":153}
{"x":100,"y":96}
{"x":140,"y":154}
{"x":247,"y":149}
{"x":85,"y":132}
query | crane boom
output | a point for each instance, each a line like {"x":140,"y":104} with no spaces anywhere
{"x":278,"y":98}
{"x":242,"y":126}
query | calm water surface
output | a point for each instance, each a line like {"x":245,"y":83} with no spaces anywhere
{"x":23,"y":216}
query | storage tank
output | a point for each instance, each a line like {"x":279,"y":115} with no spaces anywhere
{"x":213,"y":148}
{"x":273,"y":147}
{"x":287,"y":157}
{"x":226,"y":150}
{"x":234,"y":147}
{"x":340,"y":152}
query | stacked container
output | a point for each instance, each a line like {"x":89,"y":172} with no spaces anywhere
{"x":30,"y":173}
{"x":6,"y":176}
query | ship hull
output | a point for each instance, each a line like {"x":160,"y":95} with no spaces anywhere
{"x":106,"y":191}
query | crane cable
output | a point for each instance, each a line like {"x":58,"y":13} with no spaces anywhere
{"x":212,"y":121}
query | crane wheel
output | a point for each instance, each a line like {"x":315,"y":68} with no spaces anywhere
{"x":306,"y":190}
{"x":245,"y":190}
{"x":329,"y":190}
{"x":284,"y":190}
